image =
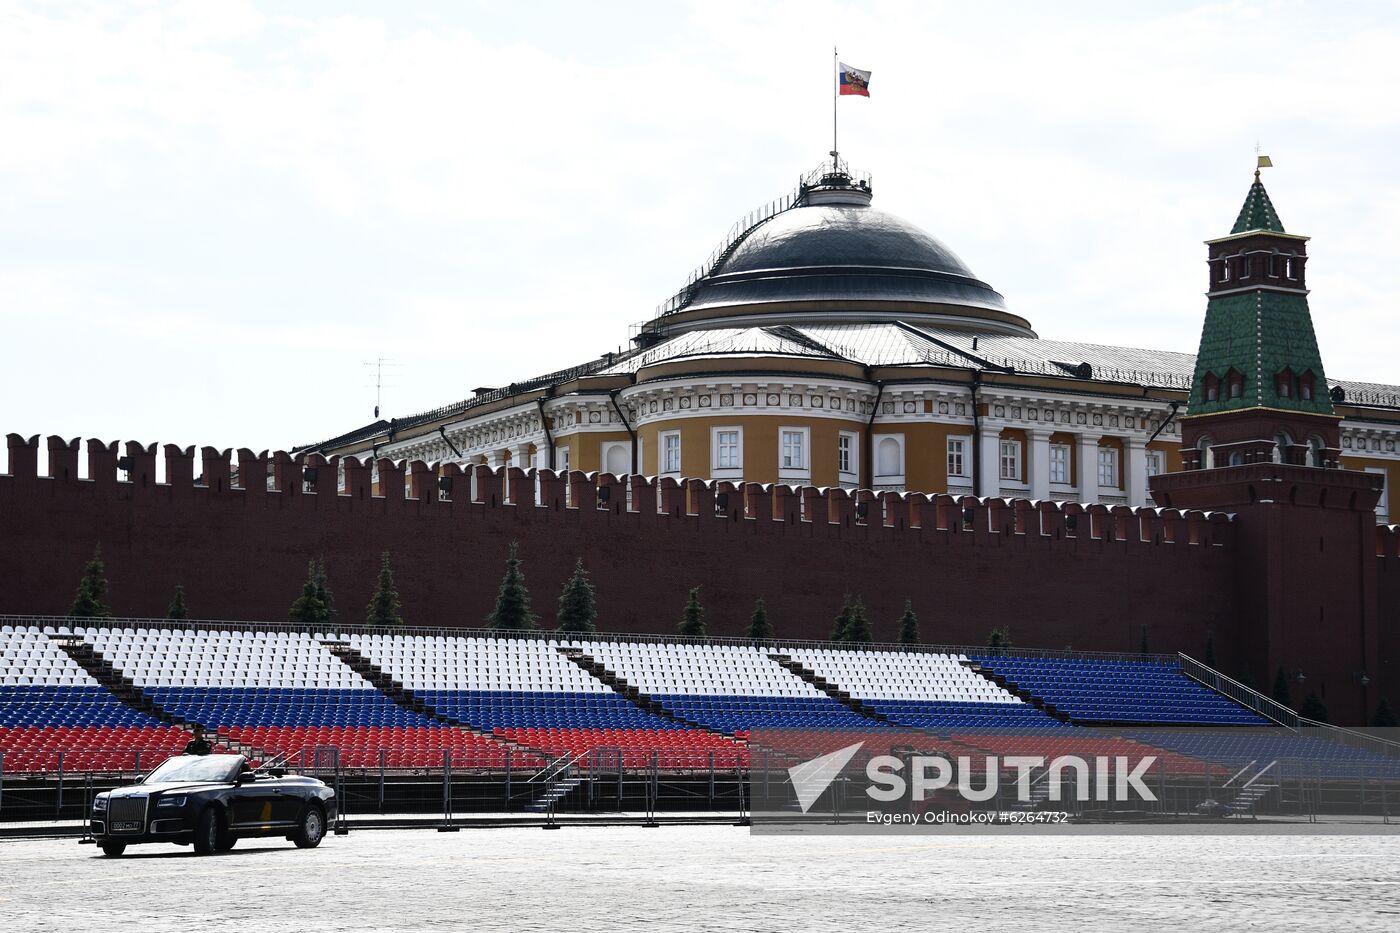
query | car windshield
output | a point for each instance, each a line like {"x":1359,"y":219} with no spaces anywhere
{"x":196,"y":768}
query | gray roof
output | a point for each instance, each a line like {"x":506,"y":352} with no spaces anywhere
{"x":847,"y":252}
{"x":902,"y":344}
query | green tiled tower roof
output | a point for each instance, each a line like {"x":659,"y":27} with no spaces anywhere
{"x":1259,"y":332}
{"x":1258,"y":212}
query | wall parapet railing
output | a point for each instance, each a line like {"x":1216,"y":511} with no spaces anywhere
{"x":63,"y":625}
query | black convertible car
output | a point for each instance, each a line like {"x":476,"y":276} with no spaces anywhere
{"x":210,"y":802}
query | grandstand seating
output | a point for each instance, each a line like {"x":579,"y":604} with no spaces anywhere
{"x":925,"y":690}
{"x":527,"y":691}
{"x":50,"y":706}
{"x":1298,"y":754}
{"x":491,"y":701}
{"x":727,"y":688}
{"x":1120,"y":691}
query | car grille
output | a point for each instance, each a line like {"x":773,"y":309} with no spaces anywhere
{"x":123,"y":812}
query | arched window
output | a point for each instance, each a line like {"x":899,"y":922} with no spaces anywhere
{"x":1234,"y":381}
{"x":1203,"y":445}
{"x":888,"y":457}
{"x":1210,"y":384}
{"x":1282,"y":443}
{"x":1236,"y":458}
{"x":1224,"y":270}
{"x":618,"y":460}
{"x":1283,"y":383}
{"x":1307,"y":384}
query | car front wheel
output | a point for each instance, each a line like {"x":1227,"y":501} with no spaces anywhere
{"x":113,"y":849}
{"x":311,"y":828}
{"x":206,"y":832}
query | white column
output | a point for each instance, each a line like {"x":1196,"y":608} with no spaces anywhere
{"x":989,"y":467}
{"x":1039,"y":463}
{"x":1087,"y":465}
{"x":520,"y":456}
{"x":495,"y":458}
{"x":1135,"y":471}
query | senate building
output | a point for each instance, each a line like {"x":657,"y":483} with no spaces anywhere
{"x":828,"y":343}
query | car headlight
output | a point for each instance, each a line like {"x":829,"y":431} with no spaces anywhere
{"x":100,"y":802}
{"x":170,"y":802}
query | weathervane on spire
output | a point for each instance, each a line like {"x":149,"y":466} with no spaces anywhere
{"x":1261,"y":161}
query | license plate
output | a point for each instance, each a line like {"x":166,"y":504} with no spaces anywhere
{"x":127,"y":827}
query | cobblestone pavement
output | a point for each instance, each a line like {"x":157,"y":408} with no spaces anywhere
{"x":707,"y":878}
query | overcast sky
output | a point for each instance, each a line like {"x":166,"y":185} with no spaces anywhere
{"x":212,"y":215}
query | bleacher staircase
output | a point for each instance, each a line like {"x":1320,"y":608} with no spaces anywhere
{"x":636,"y":697}
{"x":124,"y":689}
{"x":407,"y":699}
{"x":1253,"y":786}
{"x":1011,"y":686}
{"x":832,"y":690}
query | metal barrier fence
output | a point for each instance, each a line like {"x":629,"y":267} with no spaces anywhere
{"x":48,"y":787}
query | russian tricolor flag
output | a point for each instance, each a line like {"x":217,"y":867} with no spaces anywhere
{"x":854,"y":81}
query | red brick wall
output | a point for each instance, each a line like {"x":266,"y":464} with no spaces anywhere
{"x":241,"y":553}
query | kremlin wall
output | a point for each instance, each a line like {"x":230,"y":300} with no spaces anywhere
{"x":1056,"y":574}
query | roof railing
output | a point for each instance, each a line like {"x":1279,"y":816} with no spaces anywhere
{"x":817,"y":177}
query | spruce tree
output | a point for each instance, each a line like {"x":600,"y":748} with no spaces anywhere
{"x":999,"y":641}
{"x":512,"y":612}
{"x":309,"y":610}
{"x":858,"y":631}
{"x":1142,"y":648}
{"x":1280,"y":692}
{"x":1313,"y":708}
{"x":578,"y":609}
{"x":177,"y":608}
{"x":88,"y":604}
{"x":759,"y":629}
{"x":383,"y":608}
{"x":843,"y":621}
{"x":1385,"y":716}
{"x":693,"y":617}
{"x":908,"y":625}
{"x":323,"y":591}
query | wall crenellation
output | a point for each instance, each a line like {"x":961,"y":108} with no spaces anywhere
{"x":309,"y":481}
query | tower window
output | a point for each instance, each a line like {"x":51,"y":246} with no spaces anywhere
{"x":1234,"y":379}
{"x":1275,"y":265}
{"x":1244,"y":267}
{"x":1224,"y":270}
{"x":1211,"y":386}
{"x":1307,"y":382}
{"x":1290,"y":268}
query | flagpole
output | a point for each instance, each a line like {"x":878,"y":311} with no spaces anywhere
{"x":835,"y":92}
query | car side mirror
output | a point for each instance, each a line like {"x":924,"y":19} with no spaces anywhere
{"x":245,"y":777}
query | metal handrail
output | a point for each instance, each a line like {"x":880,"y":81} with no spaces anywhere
{"x":1260,"y":773}
{"x":1273,"y":710}
{"x":339,"y":629}
{"x":1231,"y":779}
